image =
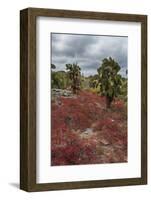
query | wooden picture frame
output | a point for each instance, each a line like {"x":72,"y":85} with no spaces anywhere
{"x":28,"y":98}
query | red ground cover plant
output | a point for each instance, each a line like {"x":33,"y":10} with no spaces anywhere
{"x":84,"y":132}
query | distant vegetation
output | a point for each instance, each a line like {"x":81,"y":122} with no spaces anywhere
{"x":107,"y":82}
{"x":59,"y":79}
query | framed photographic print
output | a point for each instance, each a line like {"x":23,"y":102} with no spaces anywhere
{"x":83,"y":99}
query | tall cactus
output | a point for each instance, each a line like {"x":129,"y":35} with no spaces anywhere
{"x":110,"y":81}
{"x":74,"y":72}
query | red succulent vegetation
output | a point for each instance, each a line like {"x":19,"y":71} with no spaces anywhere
{"x":84,"y":132}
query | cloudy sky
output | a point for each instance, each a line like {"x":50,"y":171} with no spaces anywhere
{"x":88,"y":51}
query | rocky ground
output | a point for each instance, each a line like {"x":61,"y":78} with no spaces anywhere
{"x":60,"y":92}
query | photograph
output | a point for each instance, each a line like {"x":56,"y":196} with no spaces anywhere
{"x":83,"y":99}
{"x":89,"y":82}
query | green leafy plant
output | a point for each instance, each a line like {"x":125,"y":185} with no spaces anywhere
{"x":59,"y":79}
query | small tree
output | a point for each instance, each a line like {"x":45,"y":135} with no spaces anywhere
{"x":53,"y":73}
{"x":109,"y":80}
{"x":53,"y":66}
{"x":74,"y":72}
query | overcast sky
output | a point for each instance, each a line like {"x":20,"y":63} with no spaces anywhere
{"x":88,"y":51}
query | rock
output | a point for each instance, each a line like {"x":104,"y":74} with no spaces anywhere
{"x":60,"y":92}
{"x":104,"y":141}
{"x":88,"y":131}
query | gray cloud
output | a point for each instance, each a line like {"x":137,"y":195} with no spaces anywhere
{"x":88,"y":51}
